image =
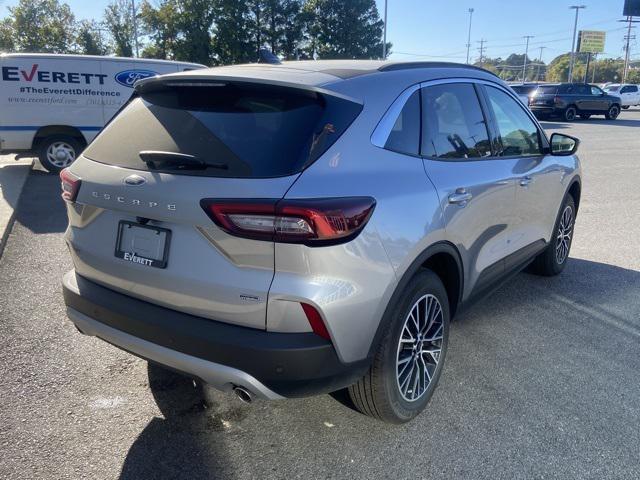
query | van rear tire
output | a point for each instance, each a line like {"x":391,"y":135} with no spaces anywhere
{"x":58,"y":152}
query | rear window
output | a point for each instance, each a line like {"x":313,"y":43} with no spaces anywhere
{"x":547,"y":90}
{"x":224,"y":130}
{"x":524,"y":89}
{"x":612,"y":88}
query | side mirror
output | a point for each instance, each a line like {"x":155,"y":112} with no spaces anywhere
{"x":563,"y":145}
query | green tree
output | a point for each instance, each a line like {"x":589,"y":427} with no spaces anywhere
{"x":39,"y":26}
{"x":161,"y":24}
{"x":339,"y":29}
{"x":231,"y":42}
{"x":6,"y":35}
{"x":196,"y":20}
{"x":558,"y":69}
{"x":119,"y":21}
{"x":89,"y":38}
{"x":633,"y":76}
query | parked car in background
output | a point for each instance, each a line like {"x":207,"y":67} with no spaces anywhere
{"x":628,"y":93}
{"x":524,"y":90}
{"x":569,"y":100}
{"x":295,"y":229}
{"x":54,"y":105}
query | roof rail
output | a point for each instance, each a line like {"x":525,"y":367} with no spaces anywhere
{"x":392,"y":67}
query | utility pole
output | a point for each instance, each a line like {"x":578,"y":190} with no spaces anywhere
{"x":628,"y":37}
{"x":481,"y":50}
{"x":539,"y":64}
{"x":469,"y":34}
{"x":573,"y":42}
{"x":526,"y":52}
{"x":135,"y":27}
{"x":595,"y":64}
{"x":384,"y":35}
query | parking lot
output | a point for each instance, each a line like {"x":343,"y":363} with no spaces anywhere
{"x":541,"y":378}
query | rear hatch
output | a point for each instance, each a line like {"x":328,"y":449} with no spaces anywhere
{"x":137,"y":224}
{"x":544,"y":96}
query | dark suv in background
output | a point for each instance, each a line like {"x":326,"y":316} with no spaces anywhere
{"x":568,"y":100}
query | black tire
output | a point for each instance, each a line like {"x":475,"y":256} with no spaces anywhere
{"x":613,"y":112}
{"x":548,"y":263}
{"x":378,"y":394}
{"x":46,"y":147}
{"x":585,"y":116}
{"x":625,"y":107}
{"x":569,"y":114}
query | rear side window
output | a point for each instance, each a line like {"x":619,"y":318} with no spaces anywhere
{"x":405,"y":134}
{"x":453,"y":125}
{"x":547,"y":90}
{"x":232,"y":130}
{"x":518,"y":135}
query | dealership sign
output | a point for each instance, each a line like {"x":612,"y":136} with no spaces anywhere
{"x":591,"y":41}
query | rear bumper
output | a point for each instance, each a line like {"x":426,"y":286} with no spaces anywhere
{"x":270,"y":365}
{"x":544,"y":110}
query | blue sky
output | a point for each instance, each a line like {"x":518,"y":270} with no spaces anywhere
{"x":437,"y":29}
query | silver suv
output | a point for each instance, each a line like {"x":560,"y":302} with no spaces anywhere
{"x":288,"y":230}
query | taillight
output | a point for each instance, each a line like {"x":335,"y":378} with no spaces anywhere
{"x":70,"y":185}
{"x":309,"y":221}
{"x":315,"y":320}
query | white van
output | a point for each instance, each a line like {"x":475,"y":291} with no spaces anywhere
{"x":54,"y":105}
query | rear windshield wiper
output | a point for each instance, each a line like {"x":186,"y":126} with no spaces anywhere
{"x":176,"y":161}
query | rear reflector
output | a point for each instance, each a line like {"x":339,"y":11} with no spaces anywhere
{"x":315,"y":320}
{"x":70,"y":185}
{"x":310,"y":221}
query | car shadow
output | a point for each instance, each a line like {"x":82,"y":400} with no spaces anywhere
{"x":180,"y":444}
{"x":40,"y":208}
{"x":597,"y":302}
{"x":618,"y":122}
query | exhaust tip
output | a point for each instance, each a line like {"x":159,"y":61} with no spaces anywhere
{"x":243,"y":394}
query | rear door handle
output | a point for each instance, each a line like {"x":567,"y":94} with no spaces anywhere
{"x":525,"y":181}
{"x":460,"y":197}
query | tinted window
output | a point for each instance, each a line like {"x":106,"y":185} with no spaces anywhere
{"x":547,"y":90}
{"x":633,"y":88}
{"x":250,"y":131}
{"x":518,"y":135}
{"x":581,"y":90}
{"x":524,"y":89}
{"x":405,"y":135}
{"x":452,"y":122}
{"x":612,"y":88}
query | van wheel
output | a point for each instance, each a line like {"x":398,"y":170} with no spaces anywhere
{"x":58,"y":152}
{"x":553,"y":259}
{"x":410,"y":357}
{"x":613,"y":112}
{"x":569,"y":114}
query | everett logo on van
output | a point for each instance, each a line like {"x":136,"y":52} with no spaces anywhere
{"x":16,"y":74}
{"x":128,"y":78}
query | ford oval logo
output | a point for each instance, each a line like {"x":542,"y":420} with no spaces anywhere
{"x":134,"y":180}
{"x":128,"y":78}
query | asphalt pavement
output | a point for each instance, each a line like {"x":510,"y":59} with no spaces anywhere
{"x":542,"y":379}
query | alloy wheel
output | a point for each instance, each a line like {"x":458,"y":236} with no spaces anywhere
{"x":563,"y":238}
{"x":419,"y":347}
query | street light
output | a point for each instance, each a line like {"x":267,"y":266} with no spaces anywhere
{"x":469,"y":35}
{"x":573,"y":42}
